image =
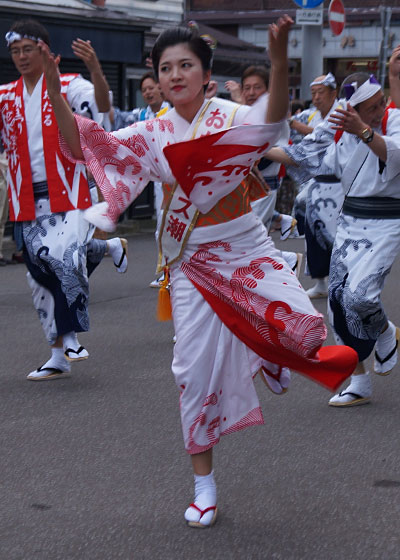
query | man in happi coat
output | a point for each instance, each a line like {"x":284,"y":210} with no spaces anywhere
{"x":47,"y":196}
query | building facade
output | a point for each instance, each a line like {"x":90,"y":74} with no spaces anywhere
{"x":357,"y":48}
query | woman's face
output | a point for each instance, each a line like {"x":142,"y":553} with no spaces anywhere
{"x":181,"y":75}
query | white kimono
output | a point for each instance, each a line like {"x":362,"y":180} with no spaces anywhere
{"x":236,"y":305}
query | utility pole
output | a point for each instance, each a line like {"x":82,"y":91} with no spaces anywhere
{"x":184,"y":10}
{"x":310,"y":17}
{"x":311,"y":59}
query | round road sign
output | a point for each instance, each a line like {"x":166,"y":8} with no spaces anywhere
{"x":306,"y":4}
{"x":336,"y":16}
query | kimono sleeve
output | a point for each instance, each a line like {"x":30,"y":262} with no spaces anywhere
{"x":392,"y":140}
{"x":310,"y":152}
{"x":121,"y":166}
{"x":256,"y":114}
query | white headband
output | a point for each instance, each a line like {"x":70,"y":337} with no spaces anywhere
{"x":329,"y":81}
{"x":12,"y":36}
{"x":357,"y":94}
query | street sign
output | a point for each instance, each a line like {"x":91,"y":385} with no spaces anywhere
{"x":309,"y":17}
{"x":336,"y":16}
{"x":308,"y":3}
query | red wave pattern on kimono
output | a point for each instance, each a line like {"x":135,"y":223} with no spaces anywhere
{"x":100,"y":150}
{"x":213,"y":430}
{"x":253,"y":418}
{"x":271,"y":329}
{"x":115,"y":163}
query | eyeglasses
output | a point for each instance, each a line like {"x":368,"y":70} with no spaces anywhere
{"x":29,"y":49}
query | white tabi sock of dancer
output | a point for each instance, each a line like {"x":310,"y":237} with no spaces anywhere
{"x":70,"y":340}
{"x":71,"y":343}
{"x":386,"y":340}
{"x":117,"y":248}
{"x":57,"y":360}
{"x":205,"y":496}
{"x":386,"y":350}
{"x":321,"y":284}
{"x":361,"y":385}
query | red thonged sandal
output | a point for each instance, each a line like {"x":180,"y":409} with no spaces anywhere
{"x":198,"y":524}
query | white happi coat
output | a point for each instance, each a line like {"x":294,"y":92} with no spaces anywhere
{"x":361,"y":175}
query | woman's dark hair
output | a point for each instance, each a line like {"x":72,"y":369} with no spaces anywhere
{"x":31,"y":28}
{"x":359,"y":77}
{"x":260,"y":71}
{"x":175,"y":36}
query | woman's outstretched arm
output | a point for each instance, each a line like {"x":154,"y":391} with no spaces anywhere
{"x":64,"y":115}
{"x":278,"y":102}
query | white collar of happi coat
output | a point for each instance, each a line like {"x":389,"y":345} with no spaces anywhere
{"x":36,"y":90}
{"x":150,"y":114}
{"x":180,"y":214}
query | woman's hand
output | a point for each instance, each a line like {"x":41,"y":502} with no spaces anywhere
{"x":51,"y":70}
{"x":278,"y":101}
{"x":394,"y":76}
{"x":65,"y":117}
{"x":278,"y":40}
{"x":347,"y":120}
{"x":394,"y":64}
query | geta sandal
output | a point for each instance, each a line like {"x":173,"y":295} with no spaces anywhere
{"x":198,"y":524}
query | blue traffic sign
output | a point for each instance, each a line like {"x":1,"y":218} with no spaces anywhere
{"x":308,"y":3}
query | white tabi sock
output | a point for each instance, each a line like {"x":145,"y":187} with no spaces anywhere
{"x":320,"y":288}
{"x":205,"y":496}
{"x":386,"y":350}
{"x":117,"y":247}
{"x":360,"y":385}
{"x":57,"y":360}
{"x":358,"y":392}
{"x":321,"y":284}
{"x":290,"y":258}
{"x":71,"y":343}
{"x":70,"y":340}
{"x":386,"y":340}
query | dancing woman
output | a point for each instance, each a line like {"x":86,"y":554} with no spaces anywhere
{"x":237,"y":308}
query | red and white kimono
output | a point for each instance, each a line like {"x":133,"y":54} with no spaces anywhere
{"x":236,"y":304}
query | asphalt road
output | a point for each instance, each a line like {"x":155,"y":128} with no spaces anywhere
{"x":93,"y":467}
